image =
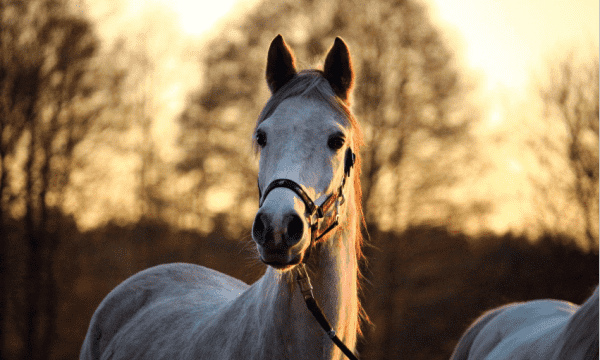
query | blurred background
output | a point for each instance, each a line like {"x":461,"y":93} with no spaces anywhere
{"x":125,"y":133}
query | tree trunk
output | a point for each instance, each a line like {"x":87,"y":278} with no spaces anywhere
{"x":32,"y":280}
{"x":48,"y":249}
{"x":3,"y":251}
{"x":33,"y":271}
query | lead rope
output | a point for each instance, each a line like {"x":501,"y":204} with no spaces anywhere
{"x":312,"y":305}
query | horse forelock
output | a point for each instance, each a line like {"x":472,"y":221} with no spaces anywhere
{"x":312,"y":84}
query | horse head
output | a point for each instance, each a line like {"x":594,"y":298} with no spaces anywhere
{"x":305,"y":138}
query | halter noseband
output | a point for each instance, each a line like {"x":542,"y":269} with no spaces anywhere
{"x":314,"y":212}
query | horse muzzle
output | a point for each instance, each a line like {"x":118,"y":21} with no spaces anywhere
{"x":279,"y":235}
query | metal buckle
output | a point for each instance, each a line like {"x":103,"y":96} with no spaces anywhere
{"x":304,"y":281}
{"x":340,"y":201}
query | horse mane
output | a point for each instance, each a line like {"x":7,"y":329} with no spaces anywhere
{"x":313,"y":85}
{"x":582,"y":330}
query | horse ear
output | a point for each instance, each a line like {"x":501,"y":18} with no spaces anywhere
{"x":281,"y":66}
{"x":338,"y":69}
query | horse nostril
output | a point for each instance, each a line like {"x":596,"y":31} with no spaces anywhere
{"x":295,"y":228}
{"x":258,"y":229}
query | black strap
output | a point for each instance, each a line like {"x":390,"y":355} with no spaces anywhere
{"x":349,"y":160}
{"x":315,"y":309}
{"x":286,"y":183}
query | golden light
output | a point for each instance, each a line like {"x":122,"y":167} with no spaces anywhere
{"x":514,"y":166}
{"x":496,"y":116}
{"x":500,"y":43}
{"x":199,"y":16}
{"x":507,"y":39}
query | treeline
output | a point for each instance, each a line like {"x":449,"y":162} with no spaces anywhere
{"x":51,"y":95}
{"x":432,"y":285}
{"x":428,"y":288}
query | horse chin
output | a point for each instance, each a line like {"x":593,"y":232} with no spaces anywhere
{"x":282,"y":263}
{"x":281,"y":267}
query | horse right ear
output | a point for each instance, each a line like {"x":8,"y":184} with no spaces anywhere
{"x":281,"y":66}
{"x":338,"y":69}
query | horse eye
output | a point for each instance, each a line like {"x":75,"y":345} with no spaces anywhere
{"x":261,"y":139}
{"x":335,"y":142}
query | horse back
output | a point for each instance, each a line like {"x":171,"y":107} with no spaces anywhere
{"x":185,"y":287}
{"x":516,"y":331}
{"x":464,"y":345}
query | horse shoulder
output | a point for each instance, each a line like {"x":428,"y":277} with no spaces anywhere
{"x":146,"y":297}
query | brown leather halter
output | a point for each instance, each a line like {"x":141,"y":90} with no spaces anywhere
{"x":319,"y":223}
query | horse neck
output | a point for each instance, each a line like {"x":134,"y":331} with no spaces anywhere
{"x":333,"y":271}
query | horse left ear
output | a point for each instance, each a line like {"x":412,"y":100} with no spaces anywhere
{"x":338,"y":69}
{"x":281,"y":66}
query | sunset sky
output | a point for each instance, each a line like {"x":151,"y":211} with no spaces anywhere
{"x":500,"y":44}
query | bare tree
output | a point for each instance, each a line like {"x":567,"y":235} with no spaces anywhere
{"x":20,"y":85}
{"x":150,"y":176}
{"x":44,"y":82}
{"x":16,"y":83}
{"x":571,"y":103}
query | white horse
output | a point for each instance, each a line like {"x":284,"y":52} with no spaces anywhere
{"x":540,"y":329}
{"x":306,"y":136}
